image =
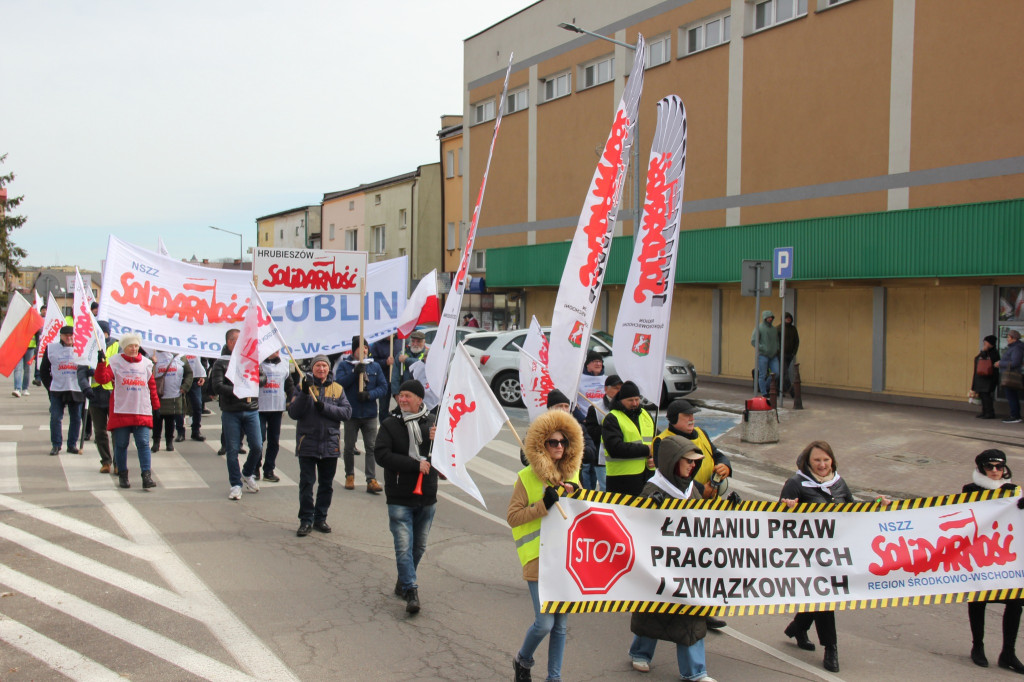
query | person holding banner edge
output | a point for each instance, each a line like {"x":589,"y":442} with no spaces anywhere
{"x":554,"y":448}
{"x":992,"y":473}
{"x":628,"y":433}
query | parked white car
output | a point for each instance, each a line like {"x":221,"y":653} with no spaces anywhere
{"x":499,"y":363}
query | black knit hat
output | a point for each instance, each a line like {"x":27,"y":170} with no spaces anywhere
{"x":992,"y":341}
{"x":67,"y":329}
{"x":992,"y":456}
{"x":556,"y":397}
{"x":593,"y":355}
{"x":413,"y":386}
{"x":628,"y":390}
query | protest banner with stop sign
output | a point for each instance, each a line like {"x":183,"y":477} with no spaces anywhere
{"x":600,"y":551}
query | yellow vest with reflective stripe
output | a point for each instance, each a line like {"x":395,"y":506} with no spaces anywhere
{"x":527,"y":536}
{"x":111,"y":350}
{"x":707,"y":465}
{"x":630,"y":434}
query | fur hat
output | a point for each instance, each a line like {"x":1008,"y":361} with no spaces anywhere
{"x":556,"y":397}
{"x":546,"y":469}
{"x":413,"y":386}
{"x":130,"y":339}
{"x":628,"y":390}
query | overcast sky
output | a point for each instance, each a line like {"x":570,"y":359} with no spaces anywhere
{"x":146,"y":119}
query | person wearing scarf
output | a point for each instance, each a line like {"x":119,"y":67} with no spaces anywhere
{"x":816,"y":481}
{"x":991,"y":473}
{"x":402,"y":449}
{"x":678,"y":461}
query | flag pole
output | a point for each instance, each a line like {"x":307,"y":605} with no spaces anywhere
{"x":359,"y":354}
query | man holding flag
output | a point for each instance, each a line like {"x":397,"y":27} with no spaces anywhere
{"x":59,"y":373}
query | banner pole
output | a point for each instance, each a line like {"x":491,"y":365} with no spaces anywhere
{"x":359,"y":354}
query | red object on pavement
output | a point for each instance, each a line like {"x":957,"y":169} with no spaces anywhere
{"x":758,"y":404}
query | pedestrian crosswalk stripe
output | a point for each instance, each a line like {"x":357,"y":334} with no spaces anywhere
{"x":9,"y":482}
{"x":11,"y":427}
{"x":81,"y":471}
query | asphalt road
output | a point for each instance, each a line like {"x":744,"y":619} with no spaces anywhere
{"x":180,"y":583}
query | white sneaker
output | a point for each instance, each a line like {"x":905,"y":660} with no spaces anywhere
{"x":706,"y":678}
{"x":235,"y":493}
{"x":24,"y":393}
{"x":16,"y":393}
{"x":641,"y":666}
{"x":251,"y":486}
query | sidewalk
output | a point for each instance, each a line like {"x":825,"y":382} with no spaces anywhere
{"x":903,"y":451}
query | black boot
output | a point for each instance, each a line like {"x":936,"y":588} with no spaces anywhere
{"x":978,"y":656}
{"x":147,"y":480}
{"x":122,"y":479}
{"x":1009,"y":660}
{"x":831,"y":661}
{"x":794,"y":631}
{"x":412,"y":600}
{"x":198,"y":436}
{"x":522,"y":672}
{"x":170,"y":445}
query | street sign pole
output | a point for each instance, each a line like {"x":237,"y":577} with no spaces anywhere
{"x":782,"y":269}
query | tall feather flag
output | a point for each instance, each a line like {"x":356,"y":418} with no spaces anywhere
{"x":583,"y":276}
{"x":641,"y":327}
{"x":87,"y":337}
{"x":20,"y":324}
{"x":470,"y":417}
{"x":534,"y":378}
{"x":444,"y":339}
{"x":51,"y":328}
{"x":258,"y":339}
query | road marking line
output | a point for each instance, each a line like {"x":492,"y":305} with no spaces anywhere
{"x":495,"y":472}
{"x":795,"y":662}
{"x":508,"y":449}
{"x":11,"y":427}
{"x":54,"y":654}
{"x":81,"y":471}
{"x":9,"y":482}
{"x":172,"y":471}
{"x":236,"y":637}
{"x":473,"y":508}
{"x":116,"y":626}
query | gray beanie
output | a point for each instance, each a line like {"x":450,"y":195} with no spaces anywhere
{"x":321,"y":358}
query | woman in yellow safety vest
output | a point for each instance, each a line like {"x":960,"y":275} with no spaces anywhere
{"x":554,"y":449}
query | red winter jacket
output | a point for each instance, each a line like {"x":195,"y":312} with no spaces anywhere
{"x":104,"y":374}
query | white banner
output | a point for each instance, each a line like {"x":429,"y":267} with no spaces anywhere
{"x":50,"y":333}
{"x":258,"y":339}
{"x":470,"y":417}
{"x":187,"y":308}
{"x":534,"y":378}
{"x":444,"y":339}
{"x":580,"y":288}
{"x":86,"y":340}
{"x":310,"y":271}
{"x":641,"y":327}
{"x":757,"y":554}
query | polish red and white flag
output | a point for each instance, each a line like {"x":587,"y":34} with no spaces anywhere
{"x":470,"y":417}
{"x":20,"y":324}
{"x":422,"y":307}
{"x":258,"y":339}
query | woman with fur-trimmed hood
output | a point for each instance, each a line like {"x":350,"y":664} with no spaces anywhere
{"x":554,"y":449}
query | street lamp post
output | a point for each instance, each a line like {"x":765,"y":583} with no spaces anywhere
{"x":636,"y":142}
{"x":237,"y":234}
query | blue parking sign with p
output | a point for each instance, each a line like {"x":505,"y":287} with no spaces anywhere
{"x":782,"y":264}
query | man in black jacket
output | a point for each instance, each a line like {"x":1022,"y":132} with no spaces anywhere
{"x":402,"y":449}
{"x":628,"y":435}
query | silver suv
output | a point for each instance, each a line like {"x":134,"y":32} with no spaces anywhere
{"x":499,"y":363}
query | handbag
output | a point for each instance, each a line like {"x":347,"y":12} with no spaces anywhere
{"x":1011,"y":378}
{"x":984,"y":367}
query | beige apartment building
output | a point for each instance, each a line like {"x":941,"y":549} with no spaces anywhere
{"x":881,"y":139}
{"x":297,"y":228}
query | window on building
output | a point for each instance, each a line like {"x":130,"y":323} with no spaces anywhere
{"x":459,"y":159}
{"x":282,"y":233}
{"x":403,"y":219}
{"x":557,"y":86}
{"x":484,"y":111}
{"x":332,"y":232}
{"x":351,"y":240}
{"x":449,"y":163}
{"x":597,"y":72}
{"x":401,"y":252}
{"x":825,"y":4}
{"x":517,"y":101}
{"x":463,"y":233}
{"x":376,"y":200}
{"x":706,"y":33}
{"x":297,"y":231}
{"x":351,"y":205}
{"x":478,"y":260}
{"x":658,"y":51}
{"x":772,"y":12}
{"x":450,"y":237}
{"x":377,"y":232}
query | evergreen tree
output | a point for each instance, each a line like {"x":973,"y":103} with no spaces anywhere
{"x":10,"y":254}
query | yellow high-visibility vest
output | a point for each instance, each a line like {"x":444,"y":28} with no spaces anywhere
{"x":527,"y":536}
{"x":630,"y":434}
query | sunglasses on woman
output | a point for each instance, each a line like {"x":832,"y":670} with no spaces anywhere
{"x":990,"y":466}
{"x":555,"y":443}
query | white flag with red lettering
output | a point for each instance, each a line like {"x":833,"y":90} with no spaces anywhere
{"x":470,"y":418}
{"x":583,"y":277}
{"x":87,"y":337}
{"x":641,"y":327}
{"x":37,"y":302}
{"x":258,"y":339}
{"x":534,"y":378}
{"x":422,"y":307}
{"x":51,"y":328}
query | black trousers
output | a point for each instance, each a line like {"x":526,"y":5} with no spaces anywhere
{"x":824,"y":623}
{"x":987,"y":406}
{"x":312,"y":469}
{"x":1011,"y":623}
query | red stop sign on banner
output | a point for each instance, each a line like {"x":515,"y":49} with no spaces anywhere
{"x":600,"y":551}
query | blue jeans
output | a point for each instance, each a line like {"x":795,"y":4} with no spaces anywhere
{"x":1012,"y":396}
{"x":121,"y":438}
{"x":765,"y":365}
{"x":195,"y":401}
{"x":22,"y":374}
{"x":57,"y":421}
{"x":270,"y":430}
{"x":592,"y":477}
{"x":410,"y":527}
{"x":233,"y":425}
{"x":691,"y":659}
{"x":544,"y":623}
